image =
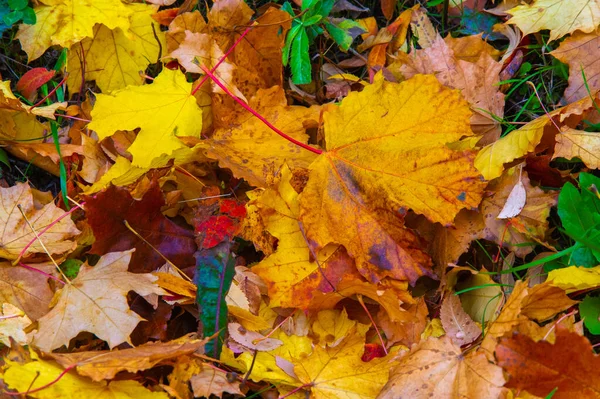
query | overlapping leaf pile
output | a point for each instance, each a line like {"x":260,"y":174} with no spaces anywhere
{"x":225,"y":240}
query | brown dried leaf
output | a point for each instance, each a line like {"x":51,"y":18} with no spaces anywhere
{"x":457,"y":323}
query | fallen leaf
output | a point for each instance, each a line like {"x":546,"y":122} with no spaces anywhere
{"x":95,"y":301}
{"x":164,"y":110}
{"x":575,"y":278}
{"x":358,"y":189}
{"x":41,"y":373}
{"x":26,"y":288}
{"x":544,"y":301}
{"x":339,"y":372}
{"x":251,"y":339}
{"x":291,"y":274}
{"x":539,"y":367}
{"x":574,"y":143}
{"x":459,"y":326}
{"x":408,"y":326}
{"x":66,"y":22}
{"x":104,"y":365}
{"x":13,"y":322}
{"x":514,"y":202}
{"x":252,"y":150}
{"x":332,"y":326}
{"x":212,"y":381}
{"x":32,"y":80}
{"x":107,"y":213}
{"x":114,"y":58}
{"x":436,"y":368}
{"x":16,"y":234}
{"x":484,"y":298}
{"x":560,"y":17}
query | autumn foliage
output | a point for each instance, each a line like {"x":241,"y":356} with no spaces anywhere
{"x":386,"y":231}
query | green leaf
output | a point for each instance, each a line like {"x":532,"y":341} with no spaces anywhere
{"x":301,"y":69}
{"x":576,"y":217}
{"x":341,"y":36}
{"x":323,"y":8}
{"x":287,"y":7}
{"x":306,"y":4}
{"x":285,"y":53}
{"x":29,"y":17}
{"x":214,"y":274}
{"x":13,"y":17}
{"x":589,"y":309}
{"x":71,"y":267}
{"x":312,"y":20}
{"x":4,"y":158}
{"x":17,"y":4}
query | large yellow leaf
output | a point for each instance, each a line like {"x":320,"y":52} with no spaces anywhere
{"x":339,"y":372}
{"x":575,"y":278}
{"x":66,"y":22}
{"x":38,"y":373}
{"x":561,"y":17}
{"x":114,"y":58}
{"x":252,"y":150}
{"x":96,"y":301}
{"x":387,"y":153}
{"x":291,"y":275}
{"x":436,"y":368}
{"x":16,"y":233}
{"x":164,"y":110}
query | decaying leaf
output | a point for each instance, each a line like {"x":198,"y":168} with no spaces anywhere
{"x":95,"y":301}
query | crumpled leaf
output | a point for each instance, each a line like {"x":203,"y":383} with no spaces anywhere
{"x":339,"y":372}
{"x":164,"y":110}
{"x":560,"y":17}
{"x":107,"y":212}
{"x":436,"y":368}
{"x":291,"y":275}
{"x":66,"y":22}
{"x":104,"y":365}
{"x":39,"y":373}
{"x":457,"y":323}
{"x":16,"y":232}
{"x":95,"y":301}
{"x":540,"y":367}
{"x":251,"y":149}
{"x":115,"y":57}
{"x":544,"y":301}
{"x":383,"y":159}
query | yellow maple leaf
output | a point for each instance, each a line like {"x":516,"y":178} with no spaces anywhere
{"x":38,"y":373}
{"x":386,"y":153}
{"x":252,"y":150}
{"x":17,"y":234}
{"x":290,"y":273}
{"x":164,"y":110}
{"x":96,"y":301}
{"x":114,"y":58}
{"x":332,"y":326}
{"x":339,"y":372}
{"x":558,"y":16}
{"x":66,"y":22}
